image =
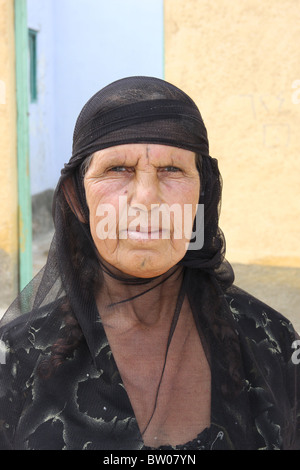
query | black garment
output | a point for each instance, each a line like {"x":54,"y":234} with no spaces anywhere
{"x":84,"y":404}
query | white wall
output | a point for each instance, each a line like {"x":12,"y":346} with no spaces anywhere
{"x":83,"y":46}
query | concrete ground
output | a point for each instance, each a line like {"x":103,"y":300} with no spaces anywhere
{"x":278,"y":287}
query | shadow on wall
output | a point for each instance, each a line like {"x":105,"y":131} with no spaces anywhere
{"x":42,"y":228}
{"x":42,"y":221}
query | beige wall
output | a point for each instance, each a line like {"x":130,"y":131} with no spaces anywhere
{"x":8,"y":155}
{"x":238,"y":60}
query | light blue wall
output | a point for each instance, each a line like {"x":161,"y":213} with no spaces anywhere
{"x":83,"y":46}
{"x":42,"y":113}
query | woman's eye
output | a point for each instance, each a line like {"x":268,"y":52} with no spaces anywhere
{"x":118,"y":169}
{"x":171,"y":169}
{"x":124,"y":169}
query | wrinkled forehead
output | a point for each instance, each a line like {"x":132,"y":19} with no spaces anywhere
{"x":142,"y":154}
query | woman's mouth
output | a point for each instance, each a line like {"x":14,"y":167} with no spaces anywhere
{"x":146,"y":233}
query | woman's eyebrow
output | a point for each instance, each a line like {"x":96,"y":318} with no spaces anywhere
{"x":112,"y":159}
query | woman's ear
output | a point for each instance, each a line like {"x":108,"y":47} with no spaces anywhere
{"x":72,"y":200}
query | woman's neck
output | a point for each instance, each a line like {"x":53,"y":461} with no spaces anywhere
{"x":126,"y":302}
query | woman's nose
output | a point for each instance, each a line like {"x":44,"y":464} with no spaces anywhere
{"x":145,"y":190}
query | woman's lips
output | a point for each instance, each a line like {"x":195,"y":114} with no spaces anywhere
{"x":145,"y":234}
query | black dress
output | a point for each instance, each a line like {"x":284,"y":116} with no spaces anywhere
{"x":84,"y":404}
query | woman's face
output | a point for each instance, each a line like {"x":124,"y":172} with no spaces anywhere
{"x":142,"y":200}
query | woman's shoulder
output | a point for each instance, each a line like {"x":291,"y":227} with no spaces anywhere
{"x":243,"y":304}
{"x":31,"y":330}
{"x":259,"y":322}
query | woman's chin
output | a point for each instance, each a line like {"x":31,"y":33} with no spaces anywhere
{"x":145,"y":265}
{"x":144,"y":271}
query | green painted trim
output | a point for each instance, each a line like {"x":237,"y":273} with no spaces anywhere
{"x":32,"y":46}
{"x":24,"y":193}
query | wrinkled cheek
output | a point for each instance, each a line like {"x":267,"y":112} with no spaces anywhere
{"x":104,"y":231}
{"x":106,"y":228}
{"x":182,"y":224}
{"x":189,"y":221}
{"x":107,"y":248}
{"x":179,"y":248}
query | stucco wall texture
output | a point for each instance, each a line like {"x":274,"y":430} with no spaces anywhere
{"x":239,"y":61}
{"x":8,"y":152}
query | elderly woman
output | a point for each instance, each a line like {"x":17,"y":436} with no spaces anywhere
{"x":133,"y":336}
